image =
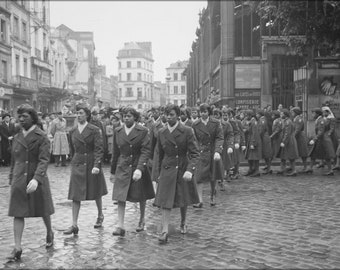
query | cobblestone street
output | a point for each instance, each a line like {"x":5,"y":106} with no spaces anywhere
{"x":267,"y":222}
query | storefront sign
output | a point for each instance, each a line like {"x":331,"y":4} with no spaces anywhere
{"x":27,"y":83}
{"x":5,"y":91}
{"x":42,"y":64}
{"x":248,"y":98}
{"x":247,"y":76}
{"x":44,"y":77}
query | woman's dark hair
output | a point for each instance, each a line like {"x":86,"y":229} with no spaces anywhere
{"x":86,"y":110}
{"x":217,"y":111}
{"x":276,"y":114}
{"x":286,"y":112}
{"x":187,"y":111}
{"x":205,"y":107}
{"x":26,"y":108}
{"x":230,"y":112}
{"x":136,"y":115}
{"x":170,"y":107}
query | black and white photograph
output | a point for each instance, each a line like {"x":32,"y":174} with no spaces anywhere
{"x":184,"y":134}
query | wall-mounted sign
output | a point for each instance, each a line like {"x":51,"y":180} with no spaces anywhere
{"x":248,"y":98}
{"x":5,"y":91}
{"x":247,"y":76}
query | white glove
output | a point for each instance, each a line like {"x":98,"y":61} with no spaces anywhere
{"x":95,"y":170}
{"x":282,"y":144}
{"x":243,"y":147}
{"x":252,"y":147}
{"x":217,"y":156}
{"x":237,"y":146}
{"x":311,"y":142}
{"x":230,"y":150}
{"x":137,"y":174}
{"x":10,"y":138}
{"x":112,"y":178}
{"x":187,"y":176}
{"x":32,"y":186}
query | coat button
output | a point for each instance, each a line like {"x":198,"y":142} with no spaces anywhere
{"x":176,"y":167}
{"x":131,"y":156}
{"x":25,"y":173}
{"x":26,"y":161}
{"x":177,"y":156}
{"x":130,"y":165}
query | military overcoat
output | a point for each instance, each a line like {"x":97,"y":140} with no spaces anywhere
{"x":300,"y":136}
{"x":254,"y":139}
{"x":178,"y":152}
{"x":153,"y":167}
{"x":30,"y":158}
{"x":276,"y":136}
{"x":87,"y":149}
{"x":266,"y":141}
{"x":229,"y":136}
{"x":323,"y":147}
{"x":290,"y":150}
{"x":210,"y":140}
{"x":131,"y":152}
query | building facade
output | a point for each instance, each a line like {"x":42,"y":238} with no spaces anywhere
{"x":176,"y":83}
{"x":135,"y":75}
{"x":6,"y":88}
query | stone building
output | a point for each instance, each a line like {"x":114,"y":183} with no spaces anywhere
{"x":176,"y":83}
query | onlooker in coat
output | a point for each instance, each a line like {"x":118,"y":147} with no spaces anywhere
{"x":60,"y":141}
{"x":7,"y":131}
{"x":300,"y":136}
{"x":131,"y":151}
{"x":178,"y":155}
{"x":289,"y":150}
{"x":109,"y":136}
{"x":87,"y":180}
{"x":254,"y":145}
{"x":195,"y":114}
{"x":265,"y":139}
{"x":210,"y":139}
{"x":322,"y":143}
{"x":30,"y":190}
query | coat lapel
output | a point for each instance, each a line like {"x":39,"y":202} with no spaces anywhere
{"x":133,"y":133}
{"x":170,"y":136}
{"x":77,"y":135}
{"x":21,"y":139}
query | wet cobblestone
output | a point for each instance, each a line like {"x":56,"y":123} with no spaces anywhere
{"x":266,"y":222}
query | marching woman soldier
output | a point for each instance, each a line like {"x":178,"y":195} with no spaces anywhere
{"x":186,"y":117}
{"x":30,"y":189}
{"x":288,"y":145}
{"x":210,"y":139}
{"x":322,"y":144}
{"x":228,"y":143}
{"x":331,"y":124}
{"x":300,"y":136}
{"x":131,"y":151}
{"x":276,"y":135}
{"x":178,"y":155}
{"x":254,"y":146}
{"x":239,"y":142}
{"x":87,"y":180}
{"x":265,"y":139}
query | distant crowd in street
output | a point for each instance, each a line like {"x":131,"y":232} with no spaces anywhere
{"x":165,"y":154}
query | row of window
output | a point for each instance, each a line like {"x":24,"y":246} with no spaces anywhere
{"x":174,"y":90}
{"x":129,"y":77}
{"x":176,"y":76}
{"x":148,"y":93}
{"x":131,"y":64}
{"x":179,"y":102}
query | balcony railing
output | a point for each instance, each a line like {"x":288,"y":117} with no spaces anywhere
{"x":25,"y":83}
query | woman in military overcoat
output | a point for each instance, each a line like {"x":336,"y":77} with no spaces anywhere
{"x":132,"y":181}
{"x":300,"y":136}
{"x":288,"y":146}
{"x":254,"y":145}
{"x":322,"y":143}
{"x":30,"y":189}
{"x":87,"y":180}
{"x":276,"y":136}
{"x":228,"y":143}
{"x":178,"y":156}
{"x":210,"y":139}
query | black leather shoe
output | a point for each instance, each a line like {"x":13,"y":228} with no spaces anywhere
{"x":183,"y":229}
{"x":119,"y":232}
{"x":336,"y":168}
{"x":255,"y":174}
{"x":248,"y":173}
{"x":198,"y":205}
{"x":280,"y":172}
{"x":99,"y":222}
{"x":309,"y":171}
{"x":330,"y":173}
{"x":72,"y":229}
{"x":140,"y":227}
{"x":268,"y":172}
{"x":49,"y":240}
{"x":292,"y":174}
{"x":320,"y":165}
{"x":15,"y":255}
{"x":163,"y":238}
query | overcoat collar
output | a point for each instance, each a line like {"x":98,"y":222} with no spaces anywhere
{"x":30,"y":137}
{"x":132,"y":135}
{"x":177,"y":132}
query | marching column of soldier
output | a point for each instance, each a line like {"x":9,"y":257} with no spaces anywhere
{"x":165,"y":155}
